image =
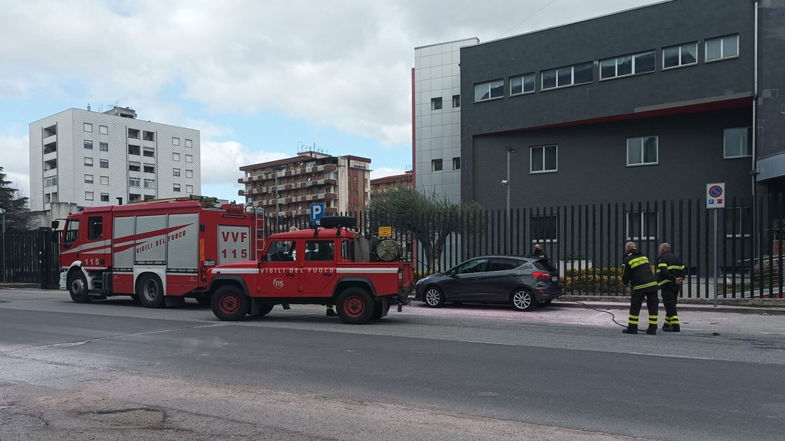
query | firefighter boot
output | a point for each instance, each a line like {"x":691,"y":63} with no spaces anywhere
{"x":630,"y":329}
{"x":652,"y":330}
{"x":673,"y":328}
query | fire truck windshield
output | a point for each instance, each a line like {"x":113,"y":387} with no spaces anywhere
{"x":71,"y":232}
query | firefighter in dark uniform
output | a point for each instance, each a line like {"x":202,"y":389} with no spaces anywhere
{"x":636,"y":272}
{"x":670,"y":274}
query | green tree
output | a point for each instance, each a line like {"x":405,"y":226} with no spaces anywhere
{"x":17,"y":216}
{"x":430,"y":218}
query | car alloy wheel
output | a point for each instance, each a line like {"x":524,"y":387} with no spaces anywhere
{"x":522,"y":300}
{"x":433,"y":297}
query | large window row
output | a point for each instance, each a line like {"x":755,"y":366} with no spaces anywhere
{"x":685,"y":54}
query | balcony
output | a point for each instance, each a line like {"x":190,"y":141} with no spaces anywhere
{"x":50,"y":140}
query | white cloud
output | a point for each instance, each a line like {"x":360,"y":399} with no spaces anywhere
{"x":383,"y":172}
{"x":15,"y":162}
{"x":221,"y":161}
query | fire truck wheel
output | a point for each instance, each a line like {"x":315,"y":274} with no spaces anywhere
{"x":150,"y":291}
{"x":229,"y":303}
{"x":77,"y":287}
{"x":355,"y":306}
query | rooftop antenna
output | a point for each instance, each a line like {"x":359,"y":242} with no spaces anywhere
{"x":88,"y":107}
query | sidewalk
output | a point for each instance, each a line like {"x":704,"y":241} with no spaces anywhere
{"x":744,"y":306}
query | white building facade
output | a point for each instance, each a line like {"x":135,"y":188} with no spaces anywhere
{"x":437,"y":118}
{"x":100,"y":158}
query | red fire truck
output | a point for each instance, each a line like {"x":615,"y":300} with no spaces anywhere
{"x":158,"y":252}
{"x":327,"y":266}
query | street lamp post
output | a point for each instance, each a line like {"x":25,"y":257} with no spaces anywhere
{"x":277,"y":205}
{"x":2,"y":270}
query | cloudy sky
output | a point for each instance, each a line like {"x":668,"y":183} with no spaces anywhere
{"x":258,"y":78}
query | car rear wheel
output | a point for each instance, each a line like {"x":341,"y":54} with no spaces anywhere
{"x":433,"y":297}
{"x":355,"y":306}
{"x":229,"y":303}
{"x":522,"y":300}
{"x":77,"y":287}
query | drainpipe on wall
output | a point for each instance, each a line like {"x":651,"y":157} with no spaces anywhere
{"x":754,"y":146}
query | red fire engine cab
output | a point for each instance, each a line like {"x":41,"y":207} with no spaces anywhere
{"x":327,"y":266}
{"x":158,"y":252}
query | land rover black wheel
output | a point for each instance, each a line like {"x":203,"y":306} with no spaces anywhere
{"x":77,"y":287}
{"x":433,"y":297}
{"x":150,"y":291}
{"x":522,"y":300}
{"x":355,"y":306}
{"x":229,"y":303}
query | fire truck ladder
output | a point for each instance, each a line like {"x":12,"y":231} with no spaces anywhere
{"x":258,"y":224}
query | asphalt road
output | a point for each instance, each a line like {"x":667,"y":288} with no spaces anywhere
{"x":117,"y":371}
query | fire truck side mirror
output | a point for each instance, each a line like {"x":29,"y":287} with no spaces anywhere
{"x":201,"y":228}
{"x":55,"y":224}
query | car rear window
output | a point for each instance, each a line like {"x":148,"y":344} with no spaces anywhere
{"x":544,"y":265}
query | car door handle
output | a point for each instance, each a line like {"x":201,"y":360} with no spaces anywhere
{"x":327,"y":274}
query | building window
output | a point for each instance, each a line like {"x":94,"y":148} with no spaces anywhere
{"x":104,"y":197}
{"x":641,"y":225}
{"x":642,"y":150}
{"x":149,"y":152}
{"x":149,"y":168}
{"x":88,"y":144}
{"x":189,"y":158}
{"x":488,"y":90}
{"x":103,"y":163}
{"x":736,"y":143}
{"x":133,"y":133}
{"x":134,"y":166}
{"x":103,"y":130}
{"x":149,"y":183}
{"x":88,"y":179}
{"x":436,"y":103}
{"x":189,"y":173}
{"x":88,"y":127}
{"x":132,"y":197}
{"x":188,"y":143}
{"x":627,"y":65}
{"x":738,"y":221}
{"x":456,"y":163}
{"x":176,"y":157}
{"x":189,"y":189}
{"x":722,"y":48}
{"x":522,"y":84}
{"x":544,"y":159}
{"x":149,"y":197}
{"x":436,"y":165}
{"x":88,"y":195}
{"x":134,"y":182}
{"x":176,"y":172}
{"x":88,"y":162}
{"x":51,"y":181}
{"x":544,"y":228}
{"x":175,"y":141}
{"x":567,"y":76}
{"x":176,"y":188}
{"x":148,"y":136}
{"x":681,"y":55}
{"x":104,"y":180}
{"x":103,"y":146}
{"x":456,"y":101}
{"x":134,"y":149}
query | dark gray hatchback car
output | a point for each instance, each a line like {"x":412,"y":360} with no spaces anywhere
{"x":522,"y":282}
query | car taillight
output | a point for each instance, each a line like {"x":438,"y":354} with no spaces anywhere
{"x":541,"y":275}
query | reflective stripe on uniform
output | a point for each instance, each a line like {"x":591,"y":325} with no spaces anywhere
{"x":674,"y":319}
{"x":663,"y":282}
{"x":638,"y":261}
{"x":662,"y":265}
{"x":675,"y":267}
{"x":652,"y":319}
{"x":643,"y":286}
{"x":633,"y":320}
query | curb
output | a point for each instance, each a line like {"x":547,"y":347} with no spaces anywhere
{"x":621,"y":305}
{"x":19,"y":285}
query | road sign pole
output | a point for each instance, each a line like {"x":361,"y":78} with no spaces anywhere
{"x":716,"y":259}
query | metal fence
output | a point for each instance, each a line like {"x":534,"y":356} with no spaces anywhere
{"x":29,"y":257}
{"x":586,"y":242}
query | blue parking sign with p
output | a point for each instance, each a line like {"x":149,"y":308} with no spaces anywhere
{"x":317,"y":211}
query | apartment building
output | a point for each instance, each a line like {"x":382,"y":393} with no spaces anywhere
{"x":291,"y":185}
{"x":98,"y":158}
{"x":387,"y":183}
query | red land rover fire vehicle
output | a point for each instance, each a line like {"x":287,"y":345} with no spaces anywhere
{"x":158,"y":252}
{"x":327,"y":266}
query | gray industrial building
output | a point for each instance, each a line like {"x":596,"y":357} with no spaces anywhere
{"x":649,"y":103}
